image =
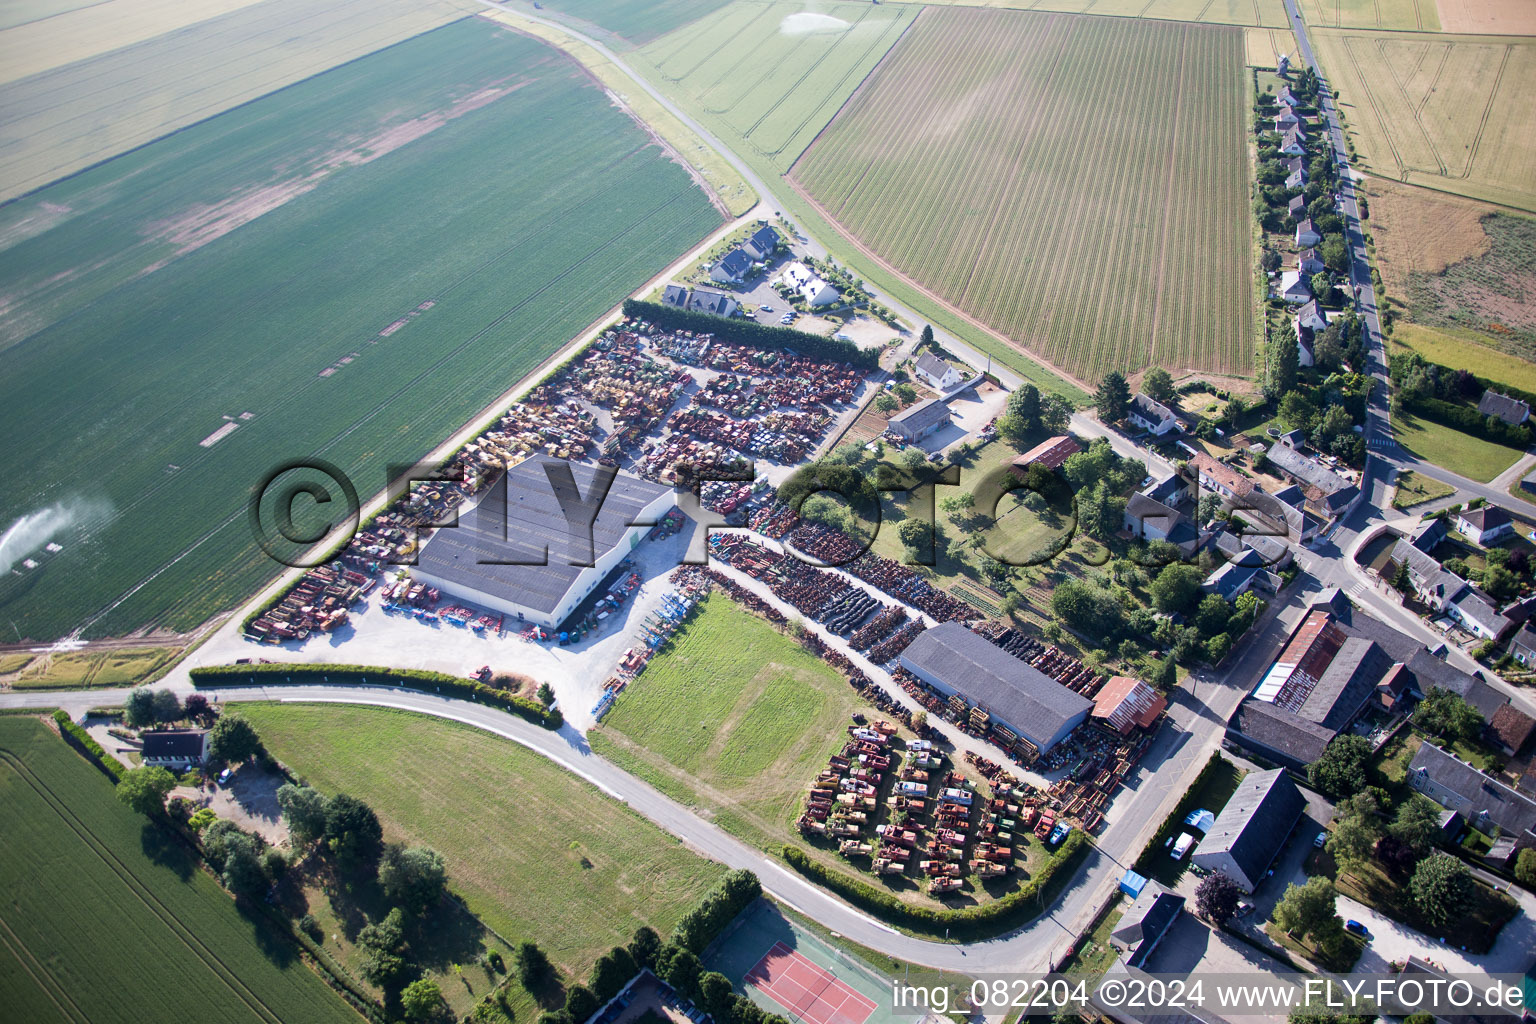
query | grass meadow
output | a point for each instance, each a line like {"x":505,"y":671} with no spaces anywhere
{"x":1451,"y":112}
{"x":1078,"y":185}
{"x":348,"y":269}
{"x":106,"y":918}
{"x":1440,"y":445}
{"x":535,"y":852}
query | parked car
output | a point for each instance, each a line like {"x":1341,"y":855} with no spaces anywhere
{"x":1356,"y":928}
{"x":1244,"y":908}
{"x":1322,"y":837}
{"x":767,"y":309}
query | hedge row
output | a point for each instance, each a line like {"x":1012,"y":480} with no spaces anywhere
{"x":750,"y":332}
{"x":373,"y":675}
{"x":1467,"y":419}
{"x":719,"y":907}
{"x":81,"y":740}
{"x":981,"y":921}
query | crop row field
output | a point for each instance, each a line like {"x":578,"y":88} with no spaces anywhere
{"x":349,"y":269}
{"x":108,"y":919}
{"x":1077,"y":185}
{"x":1400,"y":15}
{"x":765,"y":76}
{"x":1211,"y":12}
{"x":622,"y":24}
{"x":1454,"y":113}
{"x":535,"y":852}
{"x":80,"y":103}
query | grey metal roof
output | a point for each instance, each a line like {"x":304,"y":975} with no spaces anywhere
{"x":1346,"y":685}
{"x":1145,"y":921}
{"x":495,"y":546}
{"x":1307,"y":470}
{"x":1150,"y":408}
{"x":932,"y":365}
{"x":922,"y":415}
{"x":1278,"y":731}
{"x":1256,"y":821}
{"x":1020,"y":694}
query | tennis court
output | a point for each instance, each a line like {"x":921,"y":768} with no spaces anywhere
{"x":790,"y":971}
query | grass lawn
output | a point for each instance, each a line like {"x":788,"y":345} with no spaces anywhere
{"x":107,"y":918}
{"x":1416,"y":489}
{"x":736,"y":719}
{"x":1469,"y":456}
{"x":536,"y":853}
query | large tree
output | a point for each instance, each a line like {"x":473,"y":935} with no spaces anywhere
{"x":1217,"y":897}
{"x":304,"y":810}
{"x":1113,"y":397}
{"x":1416,"y":824}
{"x":612,"y":972}
{"x":1308,"y":909}
{"x":145,"y":789}
{"x":1441,"y":887}
{"x":139,"y":708}
{"x":1445,"y":713}
{"x":243,"y":874}
{"x":1340,"y":770}
{"x":1176,"y":587}
{"x":413,"y":877}
{"x":422,"y":999}
{"x":232,"y":740}
{"x":383,"y":945}
{"x":580,"y":1003}
{"x":644,"y":946}
{"x":1055,"y":411}
{"x":1025,"y":404}
{"x":1158,"y":384}
{"x":534,"y":970}
{"x":1284,"y":366}
{"x":353,"y":832}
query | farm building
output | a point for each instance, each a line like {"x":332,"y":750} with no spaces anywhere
{"x":1050,"y":453}
{"x":937,"y":373}
{"x":518,"y":552}
{"x":175,"y":748}
{"x":1124,"y":703}
{"x":921,"y":420}
{"x":1252,"y":828}
{"x":955,"y":660}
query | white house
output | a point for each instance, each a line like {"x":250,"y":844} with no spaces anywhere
{"x":810,"y":287}
{"x":1285,"y":95}
{"x":1304,"y":351}
{"x":1311,"y":317}
{"x":175,"y":748}
{"x":1306,"y":234}
{"x":1486,"y":525}
{"x":937,"y":373}
{"x":707,"y":300}
{"x":1293,"y":143}
{"x":1151,"y":415}
{"x":1294,"y":287}
{"x":1308,"y":263}
{"x":1286,"y":119}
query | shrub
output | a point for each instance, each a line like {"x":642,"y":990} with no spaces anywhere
{"x":717,"y":909}
{"x":750,"y":332}
{"x":411,"y":679}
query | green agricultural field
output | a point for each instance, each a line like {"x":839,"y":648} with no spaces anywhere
{"x":766,"y":77}
{"x":348,"y":269}
{"x":108,"y":919}
{"x":536,"y":853}
{"x":624,"y":23}
{"x":1078,"y":185}
{"x":1450,"y":112}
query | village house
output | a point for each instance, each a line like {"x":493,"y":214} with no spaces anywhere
{"x":1306,"y":234}
{"x":937,"y":373}
{"x":920,"y":421}
{"x":1146,"y":518}
{"x":1151,"y":415}
{"x":1050,"y":453}
{"x":732,"y":268}
{"x":177,"y":749}
{"x":708,"y":300}
{"x":1523,"y":647}
{"x":1487,"y":524}
{"x":1294,"y":287}
{"x":809,"y":286}
{"x":1503,"y":407}
{"x":763,"y":243}
{"x":1308,"y":263}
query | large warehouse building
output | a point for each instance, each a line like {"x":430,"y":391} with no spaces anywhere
{"x":1252,"y":828}
{"x":518,"y":552}
{"x":954,"y":660}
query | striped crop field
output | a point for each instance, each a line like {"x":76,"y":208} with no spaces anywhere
{"x":767,"y":77}
{"x":1455,"y":113}
{"x":348,"y":269}
{"x":1077,"y":185}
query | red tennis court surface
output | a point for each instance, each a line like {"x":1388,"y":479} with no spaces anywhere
{"x":806,"y":990}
